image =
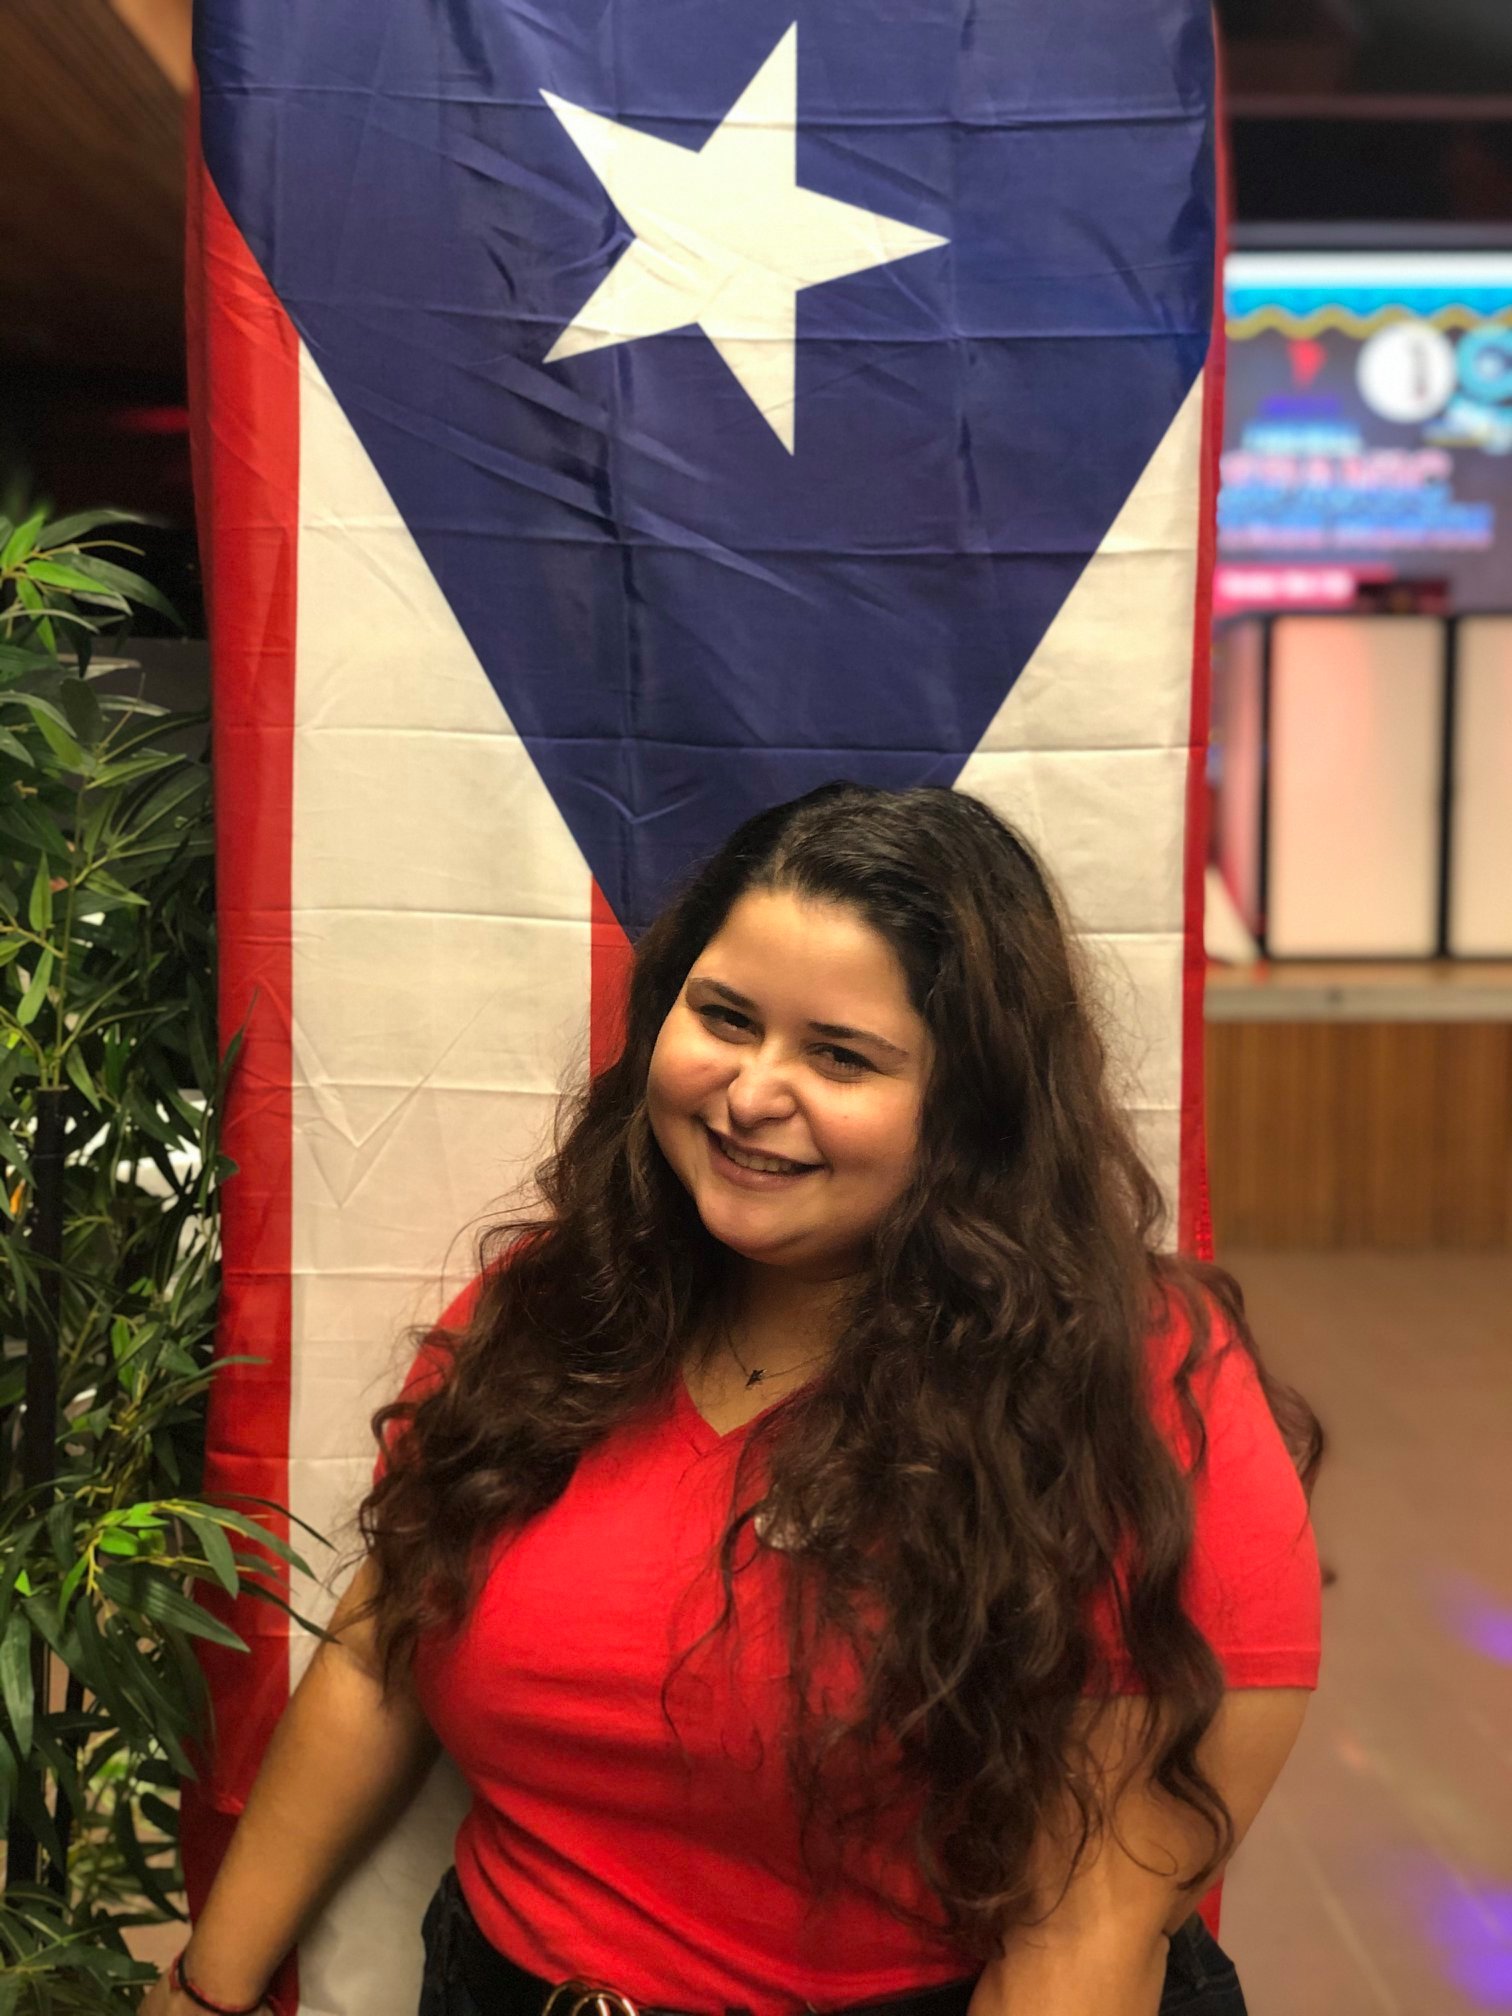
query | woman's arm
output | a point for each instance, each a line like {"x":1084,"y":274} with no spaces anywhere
{"x":1103,"y":1949}
{"x":343,"y":1761}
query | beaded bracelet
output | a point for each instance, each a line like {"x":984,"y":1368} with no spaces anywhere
{"x":180,"y":1982}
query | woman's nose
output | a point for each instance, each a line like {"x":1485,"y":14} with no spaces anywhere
{"x":759,"y":1091}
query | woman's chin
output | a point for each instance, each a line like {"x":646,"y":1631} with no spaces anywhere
{"x":751,"y":1240}
{"x":792,"y":1251}
{"x":747,"y":1245}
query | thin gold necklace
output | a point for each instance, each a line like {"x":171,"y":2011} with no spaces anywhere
{"x":755,"y":1374}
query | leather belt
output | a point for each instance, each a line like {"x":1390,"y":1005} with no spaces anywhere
{"x":500,"y":1988}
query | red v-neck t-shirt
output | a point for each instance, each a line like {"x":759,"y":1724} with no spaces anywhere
{"x":603,"y":1843}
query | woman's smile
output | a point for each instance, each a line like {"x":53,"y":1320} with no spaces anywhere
{"x":750,"y":1168}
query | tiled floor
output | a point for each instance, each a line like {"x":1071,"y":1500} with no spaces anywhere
{"x":1378,"y":1879}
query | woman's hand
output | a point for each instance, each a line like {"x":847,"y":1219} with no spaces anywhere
{"x":368,"y":1751}
{"x":161,"y":2000}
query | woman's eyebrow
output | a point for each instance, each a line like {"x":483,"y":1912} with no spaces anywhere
{"x":841,"y":1031}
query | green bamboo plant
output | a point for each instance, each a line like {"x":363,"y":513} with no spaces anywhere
{"x":111,"y":1087}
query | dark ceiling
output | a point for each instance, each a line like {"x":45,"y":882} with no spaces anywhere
{"x":1409,"y":46}
{"x":91,"y":158}
{"x":1367,"y":110}
{"x":91,"y":130}
{"x":92,"y":109}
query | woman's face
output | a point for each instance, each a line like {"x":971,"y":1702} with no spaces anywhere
{"x":786,"y":1084}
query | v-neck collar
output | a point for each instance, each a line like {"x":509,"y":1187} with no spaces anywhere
{"x":700,"y":1431}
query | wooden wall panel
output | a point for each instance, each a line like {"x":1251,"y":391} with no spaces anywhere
{"x":92,"y":222}
{"x":1393,"y":1135}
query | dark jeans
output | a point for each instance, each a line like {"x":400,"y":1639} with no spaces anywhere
{"x":1200,"y":1977}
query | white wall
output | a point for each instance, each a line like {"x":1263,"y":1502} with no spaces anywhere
{"x":1480,"y":900}
{"x":1356,"y":727}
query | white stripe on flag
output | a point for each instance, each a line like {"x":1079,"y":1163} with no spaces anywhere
{"x":1089,"y":756}
{"x":440,"y":924}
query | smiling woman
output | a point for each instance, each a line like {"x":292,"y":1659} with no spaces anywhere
{"x":752,"y":1096}
{"x":847,"y":1558}
{"x":792,"y":1143}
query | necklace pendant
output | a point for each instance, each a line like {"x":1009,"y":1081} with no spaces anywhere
{"x":755,"y":1378}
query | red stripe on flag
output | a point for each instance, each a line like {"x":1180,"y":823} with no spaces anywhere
{"x":1195,"y":1219}
{"x":244,"y":364}
{"x":611,"y":958}
{"x":1194,"y":1215}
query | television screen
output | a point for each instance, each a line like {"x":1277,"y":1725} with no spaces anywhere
{"x":1368,"y":439}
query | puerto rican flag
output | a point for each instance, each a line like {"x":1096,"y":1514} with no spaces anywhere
{"x":612,"y":418}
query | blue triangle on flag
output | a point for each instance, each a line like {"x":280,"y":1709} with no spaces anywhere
{"x":684,"y":619}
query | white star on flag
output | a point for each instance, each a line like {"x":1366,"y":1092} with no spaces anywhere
{"x":724,"y":237}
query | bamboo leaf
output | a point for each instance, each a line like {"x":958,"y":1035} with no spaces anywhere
{"x":71,"y":1582}
{"x":62,"y":744}
{"x":37,"y":827}
{"x":59,"y":1526}
{"x":15,"y":1155}
{"x":279,"y":1511}
{"x":74,"y":581}
{"x":63,"y":531}
{"x":78,"y":1071}
{"x":163,"y":1816}
{"x":21,"y":661}
{"x":36,"y":993}
{"x":59,"y":1763}
{"x":38,"y":706}
{"x":216,"y":1549}
{"x":39,"y":908}
{"x":147,"y":1591}
{"x":267,"y":1594}
{"x":125,"y":1836}
{"x":32,"y":1807}
{"x":263,"y":1538}
{"x":8,"y":1776}
{"x":120,"y":581}
{"x":30,"y":598}
{"x":85,"y":716}
{"x":129,"y":768}
{"x":16,"y":1681}
{"x":23,"y":540}
{"x":13,"y":1561}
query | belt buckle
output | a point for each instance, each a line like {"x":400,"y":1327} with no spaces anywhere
{"x":574,"y":1998}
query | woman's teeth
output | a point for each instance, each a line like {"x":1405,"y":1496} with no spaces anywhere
{"x":773,"y":1164}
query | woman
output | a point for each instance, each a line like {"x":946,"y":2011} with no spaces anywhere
{"x":848,"y":1560}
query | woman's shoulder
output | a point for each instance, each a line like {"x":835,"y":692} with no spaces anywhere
{"x":433,"y":1355}
{"x":428,"y":1370}
{"x":461,"y":1309}
{"x":1253,"y":1584}
{"x":1199,"y":1370}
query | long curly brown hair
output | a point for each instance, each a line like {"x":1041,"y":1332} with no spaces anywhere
{"x":977,"y":1458}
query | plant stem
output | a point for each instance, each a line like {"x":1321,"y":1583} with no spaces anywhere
{"x":39,"y":1431}
{"x":80,"y":868}
{"x":63,"y":1817}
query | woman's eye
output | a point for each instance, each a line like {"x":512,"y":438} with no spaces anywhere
{"x":731,"y":1018}
{"x":729,"y":1021}
{"x":851,"y":1062}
